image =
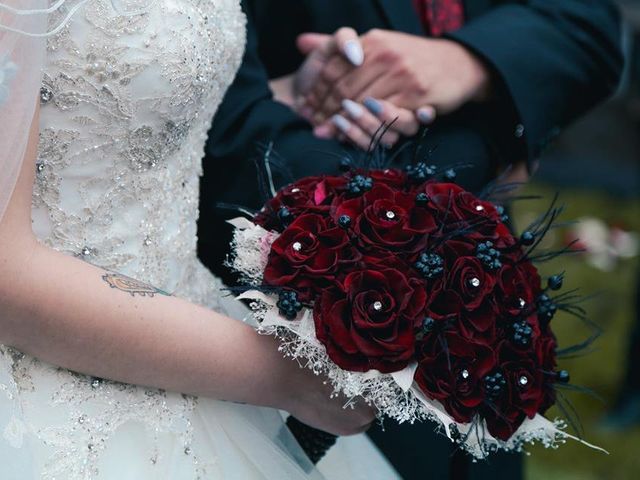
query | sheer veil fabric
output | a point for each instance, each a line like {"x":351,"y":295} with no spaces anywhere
{"x":22,"y":46}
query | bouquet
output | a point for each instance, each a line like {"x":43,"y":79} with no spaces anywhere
{"x":413,"y":295}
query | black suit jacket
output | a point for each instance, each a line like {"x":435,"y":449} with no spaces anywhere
{"x":552,"y":60}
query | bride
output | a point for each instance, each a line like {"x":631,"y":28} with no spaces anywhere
{"x":104,"y":307}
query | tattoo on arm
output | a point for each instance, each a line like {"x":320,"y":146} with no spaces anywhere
{"x":132,"y":286}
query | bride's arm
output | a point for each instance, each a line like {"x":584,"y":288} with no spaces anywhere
{"x":66,"y":312}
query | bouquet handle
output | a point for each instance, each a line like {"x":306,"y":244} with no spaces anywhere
{"x":314,"y":442}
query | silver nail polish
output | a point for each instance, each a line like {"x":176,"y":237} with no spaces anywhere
{"x":354,"y":53}
{"x":373,"y":105}
{"x":425,"y":116}
{"x":341,"y":123}
{"x":354,"y":109}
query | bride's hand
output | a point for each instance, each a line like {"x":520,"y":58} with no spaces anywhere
{"x":308,"y":398}
{"x":360,"y":123}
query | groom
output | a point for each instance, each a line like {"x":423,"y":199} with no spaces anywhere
{"x":547,"y":63}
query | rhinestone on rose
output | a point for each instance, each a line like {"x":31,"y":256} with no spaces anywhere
{"x":295,"y":190}
{"x":523,"y":380}
{"x":297,"y":246}
{"x":479,"y":208}
{"x":474,"y":282}
{"x":390,"y":215}
{"x":465,"y":374}
{"x":377,"y":306}
{"x":521,"y":302}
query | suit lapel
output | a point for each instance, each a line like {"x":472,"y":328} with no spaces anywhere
{"x":401,"y":16}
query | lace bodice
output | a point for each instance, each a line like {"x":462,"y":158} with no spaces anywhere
{"x":126,"y":104}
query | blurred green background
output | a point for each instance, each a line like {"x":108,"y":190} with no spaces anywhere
{"x":596,"y":169}
{"x":603,"y":368}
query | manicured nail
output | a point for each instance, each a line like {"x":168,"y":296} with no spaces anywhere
{"x":354,"y":109}
{"x":354,"y":53}
{"x":373,"y":105}
{"x":425,"y":115}
{"x":323,"y":131}
{"x":341,"y":123}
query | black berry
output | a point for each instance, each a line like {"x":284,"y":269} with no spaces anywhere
{"x":429,"y":265}
{"x":344,"y":221}
{"x":359,"y":184}
{"x":288,"y":304}
{"x":488,"y":255}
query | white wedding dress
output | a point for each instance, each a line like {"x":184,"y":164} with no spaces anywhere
{"x":126,"y":103}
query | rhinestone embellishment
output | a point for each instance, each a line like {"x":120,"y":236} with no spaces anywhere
{"x":464,"y":374}
{"x":390,"y":215}
{"x":297,"y":246}
{"x":46,"y":94}
{"x":523,"y":380}
{"x":474,"y":282}
{"x":377,"y":306}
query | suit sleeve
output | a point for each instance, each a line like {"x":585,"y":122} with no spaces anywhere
{"x":555,"y":59}
{"x":248,"y":117}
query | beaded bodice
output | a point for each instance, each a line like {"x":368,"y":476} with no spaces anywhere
{"x":126,"y":104}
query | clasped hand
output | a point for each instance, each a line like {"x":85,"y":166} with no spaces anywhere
{"x":350,"y":85}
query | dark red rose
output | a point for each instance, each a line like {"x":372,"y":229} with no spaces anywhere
{"x":525,"y":375}
{"x":528,"y":386}
{"x":309,"y":195}
{"x":518,"y":286}
{"x":387,"y":219}
{"x":468,"y":277}
{"x":503,"y":421}
{"x":546,"y":353}
{"x":451,"y":370}
{"x":308,"y":254}
{"x":460,"y":209}
{"x":392,"y":177}
{"x":444,"y":304}
{"x":462,"y":205}
{"x":370,"y":322}
{"x":480,"y":325}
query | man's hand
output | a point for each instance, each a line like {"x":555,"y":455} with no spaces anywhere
{"x":407,"y":70}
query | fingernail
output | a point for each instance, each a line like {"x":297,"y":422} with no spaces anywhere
{"x":323,"y":131}
{"x":341,"y":123}
{"x":354,"y":109}
{"x":425,"y":115}
{"x":353,"y":52}
{"x":373,"y":105}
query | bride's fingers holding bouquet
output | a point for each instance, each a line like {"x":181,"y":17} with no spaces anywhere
{"x":307,"y":397}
